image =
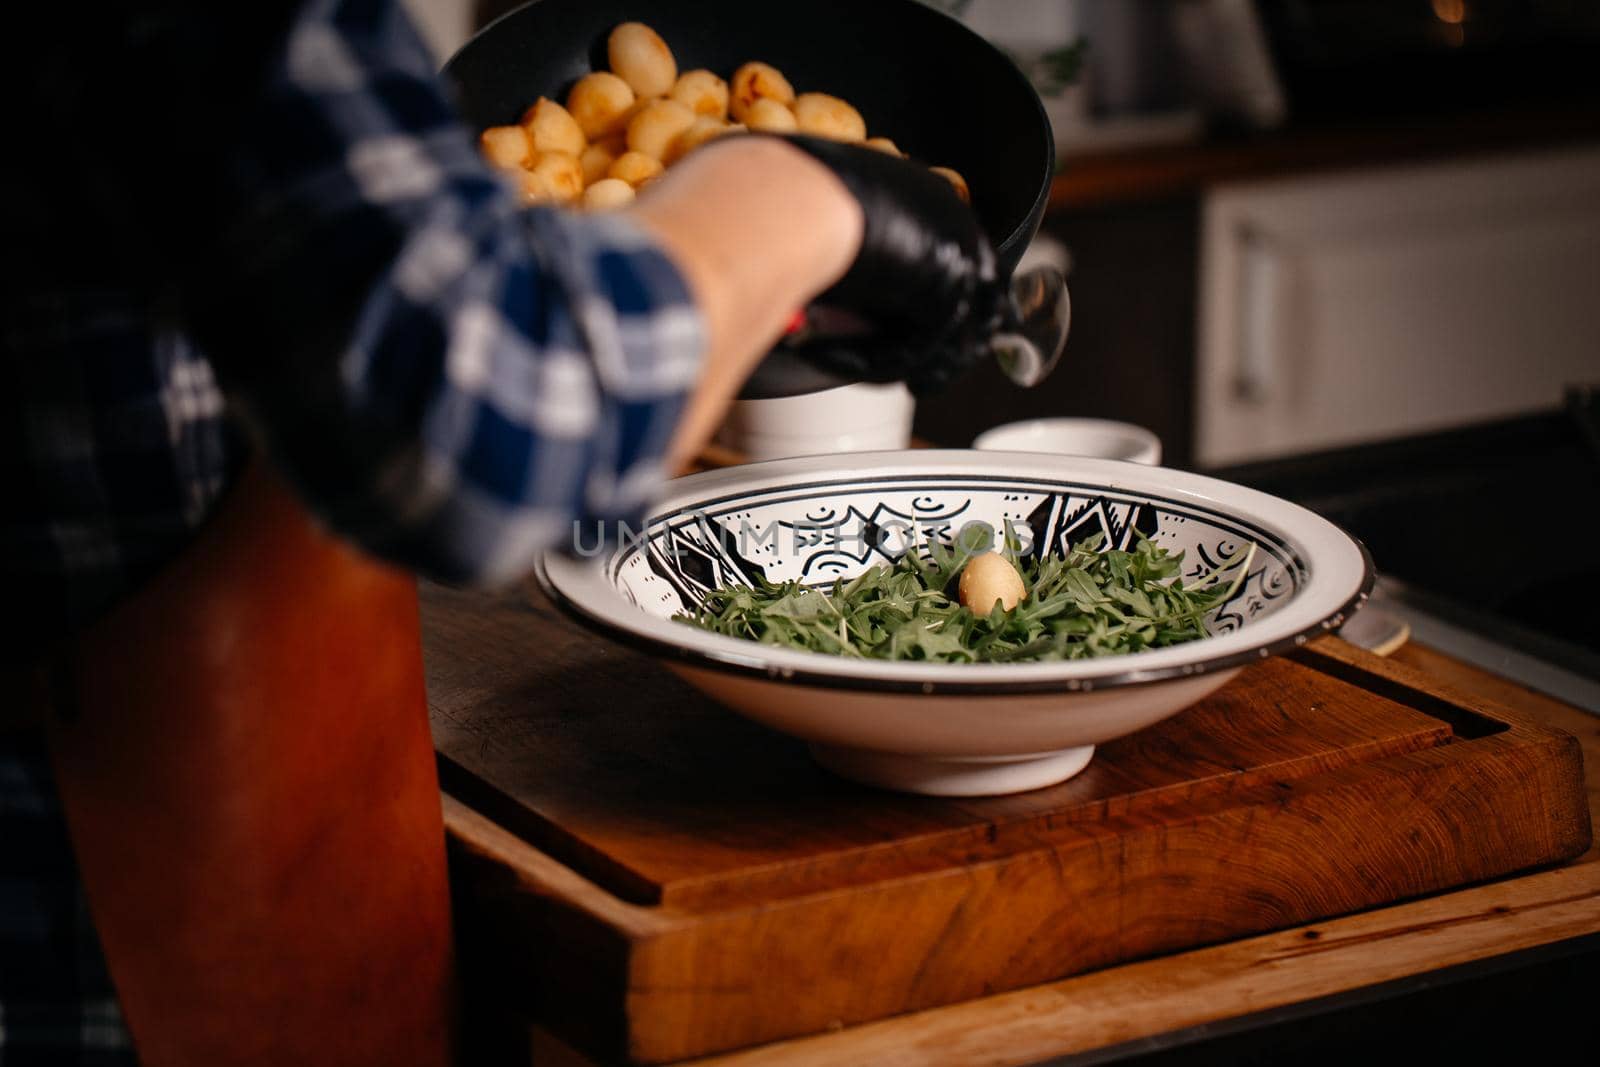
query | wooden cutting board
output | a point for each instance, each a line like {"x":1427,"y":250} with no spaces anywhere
{"x":661,"y":879}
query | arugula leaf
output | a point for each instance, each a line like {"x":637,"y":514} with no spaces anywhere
{"x":1087,"y":602}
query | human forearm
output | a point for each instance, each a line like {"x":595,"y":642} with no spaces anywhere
{"x":450,"y":381}
{"x":758,"y":229}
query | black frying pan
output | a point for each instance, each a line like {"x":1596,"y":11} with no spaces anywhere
{"x":942,"y":93}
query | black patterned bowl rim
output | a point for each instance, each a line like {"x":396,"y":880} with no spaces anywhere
{"x":750,"y":659}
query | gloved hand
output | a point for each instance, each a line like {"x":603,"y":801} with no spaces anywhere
{"x":924,"y":283}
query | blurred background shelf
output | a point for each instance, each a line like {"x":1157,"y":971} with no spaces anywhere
{"x":1137,"y":175}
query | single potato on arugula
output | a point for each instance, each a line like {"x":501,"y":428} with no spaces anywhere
{"x":988,"y":580}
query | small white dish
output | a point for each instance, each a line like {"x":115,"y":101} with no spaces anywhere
{"x":1379,"y":632}
{"x":852,"y":418}
{"x":956,"y":729}
{"x":1100,"y":438}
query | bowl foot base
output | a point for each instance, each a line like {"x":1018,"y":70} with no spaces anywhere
{"x":954,"y":776}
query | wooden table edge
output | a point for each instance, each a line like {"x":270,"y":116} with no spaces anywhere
{"x":1209,"y":985}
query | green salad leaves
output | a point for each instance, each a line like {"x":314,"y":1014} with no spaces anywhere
{"x":1087,"y":603}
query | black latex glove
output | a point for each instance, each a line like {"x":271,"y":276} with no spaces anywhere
{"x":924,"y":283}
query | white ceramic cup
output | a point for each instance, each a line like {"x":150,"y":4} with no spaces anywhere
{"x":851,"y":418}
{"x":1101,"y":438}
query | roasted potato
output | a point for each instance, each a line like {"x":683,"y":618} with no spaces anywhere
{"x":701,"y":92}
{"x":702,"y":130}
{"x":563,"y":172}
{"x":642,"y":59}
{"x":505,"y":146}
{"x":757,"y":81}
{"x":883,"y":144}
{"x":989,"y":579}
{"x":656,"y":126}
{"x":607,"y":193}
{"x":828,"y":116}
{"x":957,"y":182}
{"x":635,"y":168}
{"x":767,"y":114}
{"x":601,"y":103}
{"x":552,"y":128}
{"x":595,"y":161}
{"x":534,"y":188}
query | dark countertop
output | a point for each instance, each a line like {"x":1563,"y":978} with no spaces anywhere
{"x":1489,"y":524}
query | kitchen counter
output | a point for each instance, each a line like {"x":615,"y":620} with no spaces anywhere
{"x":1170,"y":1001}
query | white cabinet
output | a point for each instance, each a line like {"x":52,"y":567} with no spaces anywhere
{"x":1356,"y":306}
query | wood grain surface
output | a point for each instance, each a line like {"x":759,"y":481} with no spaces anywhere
{"x":670,"y":880}
{"x":1226,"y":982}
{"x":640,"y":783}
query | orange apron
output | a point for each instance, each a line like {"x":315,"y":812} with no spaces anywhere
{"x":250,"y":785}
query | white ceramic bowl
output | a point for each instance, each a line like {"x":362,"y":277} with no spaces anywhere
{"x":948,"y":728}
{"x":1102,"y":438}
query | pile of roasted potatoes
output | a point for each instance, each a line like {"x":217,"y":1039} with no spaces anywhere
{"x":622,"y":127}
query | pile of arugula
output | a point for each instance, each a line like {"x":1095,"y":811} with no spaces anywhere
{"x":1084,"y":604}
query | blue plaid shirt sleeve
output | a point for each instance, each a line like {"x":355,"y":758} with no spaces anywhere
{"x":452,"y":379}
